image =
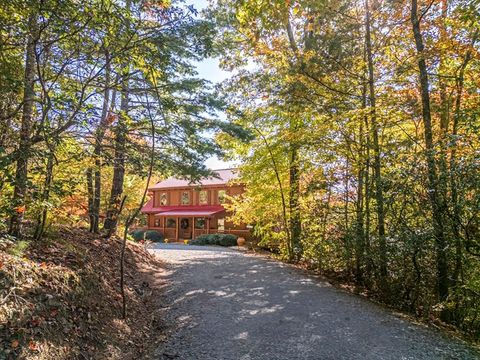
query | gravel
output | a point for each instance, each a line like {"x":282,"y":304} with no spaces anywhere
{"x":225,"y":304}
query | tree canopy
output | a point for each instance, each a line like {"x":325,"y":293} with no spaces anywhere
{"x":355,"y":124}
{"x":364,"y":161}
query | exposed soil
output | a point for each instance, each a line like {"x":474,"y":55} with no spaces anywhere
{"x":61,"y":299}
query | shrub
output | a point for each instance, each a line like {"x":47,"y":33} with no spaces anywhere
{"x":215,"y":239}
{"x":151,"y":235}
{"x":227,"y":240}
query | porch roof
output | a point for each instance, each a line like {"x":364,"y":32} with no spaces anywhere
{"x":182,"y":212}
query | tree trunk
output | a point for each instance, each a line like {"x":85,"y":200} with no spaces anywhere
{"x":434,"y":196}
{"x":116,"y":192}
{"x":23,"y":155}
{"x":282,"y":194}
{"x":456,"y":221}
{"x":42,"y":220}
{"x":347,"y":236}
{"x":368,"y":252}
{"x":376,"y":151}
{"x":118,"y":163}
{"x":97,"y":151}
{"x":359,"y":228}
{"x":295,"y":222}
{"x":89,"y":175}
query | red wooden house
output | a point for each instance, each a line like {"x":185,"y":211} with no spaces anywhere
{"x":182,"y":210}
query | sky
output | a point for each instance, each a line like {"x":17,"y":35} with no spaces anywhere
{"x":209,"y":69}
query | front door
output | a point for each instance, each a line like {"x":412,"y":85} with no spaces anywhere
{"x":185,"y":228}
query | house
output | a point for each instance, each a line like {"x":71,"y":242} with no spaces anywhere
{"x":182,"y":210}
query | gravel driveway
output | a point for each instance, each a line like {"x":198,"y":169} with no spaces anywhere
{"x":224,"y":304}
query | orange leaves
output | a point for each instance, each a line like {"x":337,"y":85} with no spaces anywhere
{"x":111,"y":118}
{"x":20,"y":209}
{"x":33,"y":346}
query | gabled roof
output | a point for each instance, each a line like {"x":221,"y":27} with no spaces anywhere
{"x":196,"y":212}
{"x":224,"y":176}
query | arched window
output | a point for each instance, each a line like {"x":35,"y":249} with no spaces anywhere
{"x":203,"y":197}
{"x":163,"y":199}
{"x":186,"y":198}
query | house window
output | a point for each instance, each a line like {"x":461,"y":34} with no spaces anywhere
{"x":221,"y":196}
{"x":171,"y":223}
{"x":184,"y":224}
{"x":203,"y":197}
{"x":163,"y":199}
{"x":185,"y":198}
{"x":200,"y":223}
{"x":157,"y":222}
{"x":221,"y":224}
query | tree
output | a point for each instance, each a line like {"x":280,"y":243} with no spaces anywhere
{"x":433,"y":186}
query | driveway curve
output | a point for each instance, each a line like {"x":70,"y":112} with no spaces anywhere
{"x":224,"y":304}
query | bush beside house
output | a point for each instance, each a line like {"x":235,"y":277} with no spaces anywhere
{"x":215,"y":239}
{"x":151,"y":235}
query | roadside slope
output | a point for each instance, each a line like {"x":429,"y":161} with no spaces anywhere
{"x":60,"y":299}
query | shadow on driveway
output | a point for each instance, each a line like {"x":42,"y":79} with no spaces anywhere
{"x":223,"y":304}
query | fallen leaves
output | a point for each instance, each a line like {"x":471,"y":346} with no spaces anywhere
{"x":66,"y":297}
{"x":33,"y":346}
{"x":20,"y":209}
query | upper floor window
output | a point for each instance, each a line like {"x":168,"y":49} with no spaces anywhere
{"x":186,"y":198}
{"x":203,"y":197}
{"x":221,"y":196}
{"x":163,"y":199}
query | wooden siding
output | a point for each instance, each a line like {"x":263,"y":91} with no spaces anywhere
{"x":174,"y":198}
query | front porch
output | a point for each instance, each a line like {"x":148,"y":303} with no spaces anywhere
{"x":176,"y":228}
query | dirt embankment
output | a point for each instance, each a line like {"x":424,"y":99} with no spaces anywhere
{"x":60,"y":299}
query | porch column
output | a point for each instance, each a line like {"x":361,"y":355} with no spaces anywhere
{"x":176,"y":228}
{"x":208,"y":225}
{"x":193,"y":227}
{"x":164,"y":220}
